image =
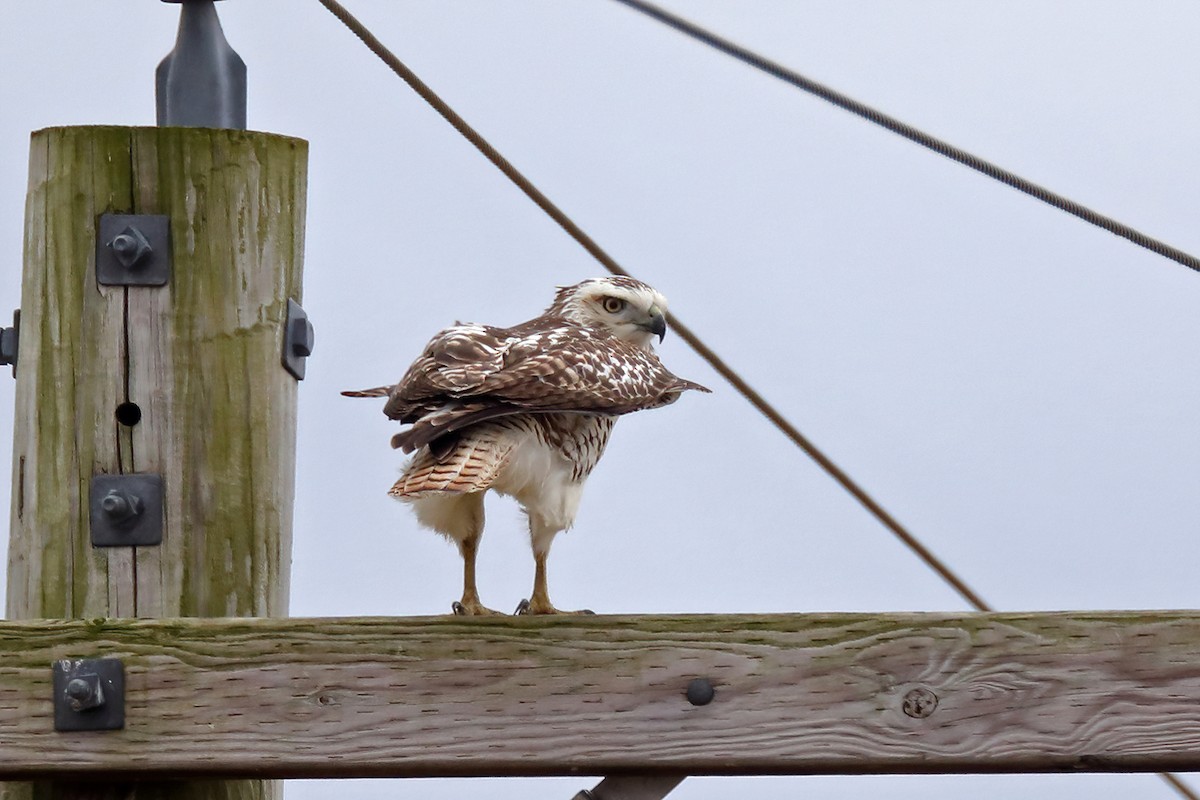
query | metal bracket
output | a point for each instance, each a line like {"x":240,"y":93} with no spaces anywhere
{"x":10,"y":338}
{"x":297,"y":340}
{"x":631,"y":787}
{"x":133,"y":249}
{"x":126,"y":510}
{"x":89,"y":694}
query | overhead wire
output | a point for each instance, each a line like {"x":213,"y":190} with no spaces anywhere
{"x":684,"y":332}
{"x":940,"y":146}
{"x":704,"y":351}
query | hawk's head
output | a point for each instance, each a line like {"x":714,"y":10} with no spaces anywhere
{"x":626,"y":308}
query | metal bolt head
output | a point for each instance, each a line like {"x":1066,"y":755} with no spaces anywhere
{"x":121,"y":506}
{"x":919,"y":703}
{"x":700,"y":692}
{"x":130,"y":247}
{"x":85,"y":692}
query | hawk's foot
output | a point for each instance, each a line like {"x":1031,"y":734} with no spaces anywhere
{"x":473,"y":608}
{"x":536,"y":607}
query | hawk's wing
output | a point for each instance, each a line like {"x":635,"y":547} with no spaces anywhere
{"x":471,"y":373}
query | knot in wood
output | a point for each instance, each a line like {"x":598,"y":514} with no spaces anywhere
{"x":919,"y":703}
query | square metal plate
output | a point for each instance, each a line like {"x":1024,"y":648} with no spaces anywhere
{"x":89,"y":694}
{"x":126,"y":510}
{"x":153,"y":265}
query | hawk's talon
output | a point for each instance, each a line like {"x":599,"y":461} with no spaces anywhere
{"x":526,"y":608}
{"x":473,"y":608}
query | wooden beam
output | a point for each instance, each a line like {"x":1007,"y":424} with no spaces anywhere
{"x":794,"y":694}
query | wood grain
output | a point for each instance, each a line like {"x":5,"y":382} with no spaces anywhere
{"x":795,"y":694}
{"x":199,"y":356}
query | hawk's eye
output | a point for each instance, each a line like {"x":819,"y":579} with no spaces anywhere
{"x":613,"y":304}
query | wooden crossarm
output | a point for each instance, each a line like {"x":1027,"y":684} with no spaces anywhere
{"x":448,"y":696}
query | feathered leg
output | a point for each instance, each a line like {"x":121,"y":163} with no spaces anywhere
{"x":458,"y":517}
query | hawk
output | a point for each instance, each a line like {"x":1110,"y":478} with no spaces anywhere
{"x":525,"y":411}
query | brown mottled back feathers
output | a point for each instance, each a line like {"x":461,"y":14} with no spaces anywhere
{"x":468,"y":374}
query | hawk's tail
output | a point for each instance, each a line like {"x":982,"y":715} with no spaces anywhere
{"x":471,"y":466}
{"x":378,"y":391}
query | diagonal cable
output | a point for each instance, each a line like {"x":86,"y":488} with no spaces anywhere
{"x":1178,"y":785}
{"x":684,"y":332}
{"x":926,"y":140}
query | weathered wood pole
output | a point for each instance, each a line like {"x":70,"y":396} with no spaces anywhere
{"x":199,"y":357}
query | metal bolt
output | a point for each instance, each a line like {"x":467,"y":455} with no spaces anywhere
{"x":700,"y":692}
{"x":121,"y":506}
{"x":919,"y":703}
{"x":85,"y":692}
{"x":130,"y":247}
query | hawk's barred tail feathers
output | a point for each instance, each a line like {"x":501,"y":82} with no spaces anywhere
{"x":684,"y":384}
{"x":378,"y":391}
{"x":470,"y":466}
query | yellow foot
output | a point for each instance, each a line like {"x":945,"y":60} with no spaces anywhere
{"x":473,"y":608}
{"x":539,"y":607}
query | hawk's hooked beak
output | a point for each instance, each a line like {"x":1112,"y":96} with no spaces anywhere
{"x":657,"y":324}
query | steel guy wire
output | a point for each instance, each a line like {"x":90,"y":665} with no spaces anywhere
{"x":915,"y":135}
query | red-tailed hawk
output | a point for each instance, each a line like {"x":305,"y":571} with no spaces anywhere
{"x":526,"y":411}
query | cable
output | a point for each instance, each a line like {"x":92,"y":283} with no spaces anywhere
{"x":912,"y":134}
{"x":1175,"y":783}
{"x":684,"y":332}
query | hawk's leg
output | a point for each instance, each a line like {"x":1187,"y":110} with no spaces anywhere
{"x":458,"y":517}
{"x":470,"y":604}
{"x":539,"y":601}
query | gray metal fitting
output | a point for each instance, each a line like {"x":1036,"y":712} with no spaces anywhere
{"x":700,"y":692}
{"x":126,"y":510}
{"x":202,"y":82}
{"x":298,"y":340}
{"x":121,"y":507}
{"x":131,"y":247}
{"x":89,"y":694}
{"x":85,"y":692}
{"x":10,"y":339}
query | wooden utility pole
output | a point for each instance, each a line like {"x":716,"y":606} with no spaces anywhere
{"x":182,"y":380}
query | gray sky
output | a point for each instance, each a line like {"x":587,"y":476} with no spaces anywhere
{"x":1016,"y":386}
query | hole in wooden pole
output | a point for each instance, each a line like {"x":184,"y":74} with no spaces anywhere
{"x":129,"y":414}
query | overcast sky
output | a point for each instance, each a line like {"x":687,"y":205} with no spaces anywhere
{"x":1016,"y":386}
